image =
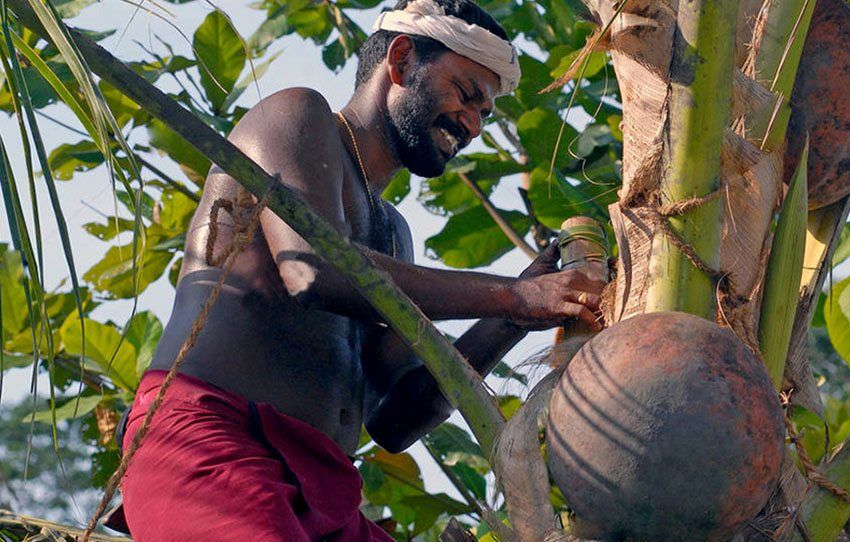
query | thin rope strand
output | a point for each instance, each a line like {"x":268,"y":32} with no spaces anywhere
{"x":244,"y":235}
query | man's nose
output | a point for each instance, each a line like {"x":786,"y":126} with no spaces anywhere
{"x":471,"y":121}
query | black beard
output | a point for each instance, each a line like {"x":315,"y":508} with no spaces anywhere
{"x":409,"y":125}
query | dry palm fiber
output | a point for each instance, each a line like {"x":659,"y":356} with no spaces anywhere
{"x":520,"y":468}
{"x":25,"y":528}
{"x":641,"y":52}
{"x":825,"y":226}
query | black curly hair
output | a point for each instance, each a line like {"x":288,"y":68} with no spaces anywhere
{"x":374,"y":49}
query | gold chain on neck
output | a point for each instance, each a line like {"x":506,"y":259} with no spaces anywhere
{"x":363,"y":172}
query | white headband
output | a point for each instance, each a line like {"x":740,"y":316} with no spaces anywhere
{"x":427,"y":18}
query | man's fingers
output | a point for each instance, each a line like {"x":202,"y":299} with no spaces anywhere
{"x":584,"y":314}
{"x":589,"y":300}
{"x":549,"y":255}
{"x":580,"y":281}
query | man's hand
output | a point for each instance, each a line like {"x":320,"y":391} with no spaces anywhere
{"x":547,"y":297}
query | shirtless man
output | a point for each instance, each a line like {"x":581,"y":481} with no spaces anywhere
{"x":251,"y":441}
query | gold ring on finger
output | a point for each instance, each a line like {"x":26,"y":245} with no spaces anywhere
{"x":582,"y":298}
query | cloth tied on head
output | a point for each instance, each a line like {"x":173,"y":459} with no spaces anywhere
{"x":427,"y":18}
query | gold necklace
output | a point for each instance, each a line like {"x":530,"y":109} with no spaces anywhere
{"x":363,"y":172}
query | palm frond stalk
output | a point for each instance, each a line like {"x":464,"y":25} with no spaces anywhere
{"x":700,"y":92}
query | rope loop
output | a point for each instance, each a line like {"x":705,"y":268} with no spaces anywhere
{"x":247,"y":218}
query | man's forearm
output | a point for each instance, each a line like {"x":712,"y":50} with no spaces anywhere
{"x":413,"y":406}
{"x":441,"y":294}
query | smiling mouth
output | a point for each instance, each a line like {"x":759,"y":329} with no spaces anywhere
{"x":452,"y":142}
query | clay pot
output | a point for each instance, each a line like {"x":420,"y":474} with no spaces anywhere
{"x":664,"y":427}
{"x":820,"y":106}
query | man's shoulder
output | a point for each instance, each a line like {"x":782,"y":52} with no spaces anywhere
{"x":298,"y":100}
{"x":289,"y":111}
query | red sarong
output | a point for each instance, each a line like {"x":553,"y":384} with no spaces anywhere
{"x":215,"y":467}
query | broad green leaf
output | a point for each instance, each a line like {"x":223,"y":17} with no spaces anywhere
{"x":358,"y":4}
{"x":114,"y":273}
{"x":175,"y":211}
{"x":398,"y":188}
{"x":449,"y":194}
{"x":811,"y":430}
{"x":105,"y":232}
{"x":538,"y":130}
{"x":15,"y":360}
{"x":104,"y":464}
{"x":122,"y":107}
{"x":472,"y":239}
{"x":556,"y":199}
{"x":613,"y":122}
{"x":39,"y":90}
{"x":221,"y":54}
{"x":14,"y":305}
{"x":471,"y":479}
{"x":452,"y":445}
{"x":818,"y":318}
{"x":429,"y":507}
{"x":102,"y":342}
{"x":399,"y":478}
{"x":401,"y":466}
{"x":313,"y":21}
{"x":837,"y":315}
{"x":193,"y":163}
{"x":144,"y":332}
{"x":60,"y":305}
{"x":67,"y":159}
{"x":503,"y":370}
{"x":250,"y":79}
{"x":333,"y":55}
{"x":174,"y":271}
{"x":595,"y":62}
{"x":275,"y":26}
{"x":373,"y":476}
{"x":509,"y":404}
{"x":842,"y":249}
{"x":72,"y":408}
{"x":145,"y":208}
{"x":593,"y":136}
{"x":68,"y":9}
{"x":535,"y":77}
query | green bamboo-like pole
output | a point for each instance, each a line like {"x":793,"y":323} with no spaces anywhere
{"x":777,"y":59}
{"x":780,"y":50}
{"x":700,"y":93}
{"x":457,"y":380}
{"x":783,"y":274}
{"x":823,"y":513}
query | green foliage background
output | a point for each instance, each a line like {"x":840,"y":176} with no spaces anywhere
{"x":97,"y":370}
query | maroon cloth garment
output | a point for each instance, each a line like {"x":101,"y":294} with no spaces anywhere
{"x":215,"y":467}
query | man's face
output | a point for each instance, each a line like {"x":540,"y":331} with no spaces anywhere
{"x":439,"y":111}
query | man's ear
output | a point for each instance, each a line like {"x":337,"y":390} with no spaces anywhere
{"x":400,"y":58}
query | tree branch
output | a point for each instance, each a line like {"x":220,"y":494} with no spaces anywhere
{"x":177,"y":185}
{"x":500,"y":221}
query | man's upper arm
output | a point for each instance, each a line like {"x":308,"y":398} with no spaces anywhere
{"x":292,"y":134}
{"x":402,"y":238}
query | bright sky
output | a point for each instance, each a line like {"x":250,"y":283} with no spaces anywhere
{"x":89,"y":194}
